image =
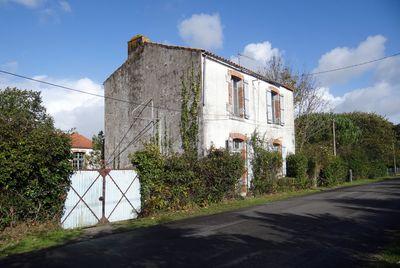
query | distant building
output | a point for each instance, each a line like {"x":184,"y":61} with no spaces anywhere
{"x":80,"y":147}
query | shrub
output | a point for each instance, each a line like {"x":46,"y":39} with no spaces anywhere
{"x":333,"y":172}
{"x":34,"y":160}
{"x":296,"y":166}
{"x":220,"y":172}
{"x":266,"y":167}
{"x":180,"y":181}
{"x":377,"y":169}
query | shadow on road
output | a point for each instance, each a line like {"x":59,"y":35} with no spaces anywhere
{"x":257,"y":238}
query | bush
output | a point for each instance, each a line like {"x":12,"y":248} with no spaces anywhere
{"x":333,"y":172}
{"x":296,"y":166}
{"x":176,"y":182}
{"x":34,"y":160}
{"x":266,"y":167}
{"x":220,"y":172}
{"x":377,"y":169}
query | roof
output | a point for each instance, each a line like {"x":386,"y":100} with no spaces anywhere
{"x":226,"y":61}
{"x":218,"y":58}
{"x":80,"y":141}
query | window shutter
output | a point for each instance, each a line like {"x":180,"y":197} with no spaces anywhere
{"x":282,"y":104}
{"x":246,"y":100}
{"x":230,"y":96}
{"x":241,"y":99}
{"x":229,"y":144}
{"x":269,"y":106}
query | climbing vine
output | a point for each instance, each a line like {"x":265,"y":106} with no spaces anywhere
{"x":189,"y":127}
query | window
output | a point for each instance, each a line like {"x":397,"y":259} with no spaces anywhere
{"x":235,"y":89}
{"x":275,"y":108}
{"x":238,"y":145}
{"x":276,"y":147}
{"x":78,"y":160}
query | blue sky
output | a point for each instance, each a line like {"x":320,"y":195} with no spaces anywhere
{"x":81,"y":42}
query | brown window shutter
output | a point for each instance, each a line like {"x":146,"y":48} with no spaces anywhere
{"x":277,"y":109}
{"x":230,"y":92}
{"x":241,"y":99}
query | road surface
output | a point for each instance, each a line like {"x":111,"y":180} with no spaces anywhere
{"x":338,"y":228}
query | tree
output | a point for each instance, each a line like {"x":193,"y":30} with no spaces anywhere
{"x":34,"y":159}
{"x":95,"y":159}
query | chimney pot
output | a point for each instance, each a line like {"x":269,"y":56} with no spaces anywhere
{"x":136,"y":41}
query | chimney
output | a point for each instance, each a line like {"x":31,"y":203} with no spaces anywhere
{"x":136,"y":41}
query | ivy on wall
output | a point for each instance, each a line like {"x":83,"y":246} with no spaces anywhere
{"x":189,"y":126}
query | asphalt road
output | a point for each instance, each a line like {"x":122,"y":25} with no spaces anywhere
{"x":339,"y":228}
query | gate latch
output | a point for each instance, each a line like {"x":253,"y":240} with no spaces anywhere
{"x":101,"y":198}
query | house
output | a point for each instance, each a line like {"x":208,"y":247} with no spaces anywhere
{"x":143,"y":100}
{"x":81,"y":147}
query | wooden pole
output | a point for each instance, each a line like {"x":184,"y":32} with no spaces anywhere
{"x":334,"y":137}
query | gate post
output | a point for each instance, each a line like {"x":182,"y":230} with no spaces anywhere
{"x":103,"y":172}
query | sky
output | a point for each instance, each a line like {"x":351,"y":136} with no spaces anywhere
{"x":80,"y":43}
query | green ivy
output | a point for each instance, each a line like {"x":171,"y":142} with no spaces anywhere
{"x":189,"y":127}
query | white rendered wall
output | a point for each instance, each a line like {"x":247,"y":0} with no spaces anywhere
{"x":218,"y":124}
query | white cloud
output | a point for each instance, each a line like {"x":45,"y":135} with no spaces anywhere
{"x":10,"y":66}
{"x":69,"y":109}
{"x":256,"y":55}
{"x":65,"y":6}
{"x":371,"y":48}
{"x":202,"y":31}
{"x":382,"y":97}
{"x":26,"y":3}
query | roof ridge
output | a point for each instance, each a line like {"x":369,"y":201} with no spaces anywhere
{"x":234,"y":64}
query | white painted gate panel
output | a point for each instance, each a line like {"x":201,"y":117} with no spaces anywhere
{"x":88,"y":185}
{"x":119,"y":208}
{"x":84,"y":205}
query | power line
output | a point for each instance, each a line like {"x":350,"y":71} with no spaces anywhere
{"x":354,"y":65}
{"x":86,"y":92}
{"x":340,"y":68}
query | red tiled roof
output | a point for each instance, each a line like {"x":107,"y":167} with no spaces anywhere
{"x":79,"y":141}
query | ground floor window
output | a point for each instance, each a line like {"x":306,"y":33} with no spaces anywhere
{"x":78,"y":160}
{"x":238,"y":145}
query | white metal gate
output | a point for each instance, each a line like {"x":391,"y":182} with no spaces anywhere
{"x":100,"y":196}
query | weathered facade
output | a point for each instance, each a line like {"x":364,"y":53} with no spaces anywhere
{"x":234,"y":103}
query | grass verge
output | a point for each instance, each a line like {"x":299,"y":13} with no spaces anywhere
{"x":25,"y":237}
{"x":390,"y":256}
{"x":28,"y":237}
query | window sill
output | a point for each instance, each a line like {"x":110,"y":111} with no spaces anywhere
{"x":237,"y":118}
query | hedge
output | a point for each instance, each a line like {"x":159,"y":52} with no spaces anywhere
{"x":34,"y":160}
{"x":177,"y":182}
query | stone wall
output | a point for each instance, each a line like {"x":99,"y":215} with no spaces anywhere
{"x":152,"y":71}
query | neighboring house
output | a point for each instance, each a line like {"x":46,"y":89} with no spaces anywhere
{"x":81,"y":147}
{"x":235,"y":102}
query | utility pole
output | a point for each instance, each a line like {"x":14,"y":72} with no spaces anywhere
{"x":334,"y":137}
{"x":394,"y":158}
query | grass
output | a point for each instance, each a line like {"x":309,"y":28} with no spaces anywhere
{"x":390,"y":256}
{"x":28,"y":237}
{"x":25,"y":238}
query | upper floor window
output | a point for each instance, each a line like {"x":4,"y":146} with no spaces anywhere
{"x":275,"y":108}
{"x":235,"y":91}
{"x":239,"y":102}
